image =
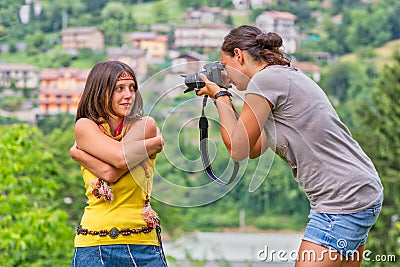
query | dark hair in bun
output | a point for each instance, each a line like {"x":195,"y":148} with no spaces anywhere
{"x":260,"y":45}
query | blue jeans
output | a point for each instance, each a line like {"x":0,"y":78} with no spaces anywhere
{"x":342,"y":232}
{"x":119,"y":256}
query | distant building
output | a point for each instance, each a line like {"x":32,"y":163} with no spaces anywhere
{"x":19,"y":76}
{"x":189,"y":62}
{"x":204,"y":15}
{"x":206,"y":36}
{"x":155,"y":45}
{"x":323,"y":57}
{"x":283,"y":23}
{"x":255,"y":4}
{"x":60,"y":90}
{"x":74,"y":39}
{"x":133,"y":57}
{"x":259,"y":4}
{"x":241,"y":4}
{"x":337,"y":19}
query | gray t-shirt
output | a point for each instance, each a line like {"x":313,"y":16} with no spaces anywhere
{"x":305,"y":130}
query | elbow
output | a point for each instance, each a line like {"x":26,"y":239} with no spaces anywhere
{"x":73,"y":153}
{"x":236,"y":152}
{"x":109,"y":175}
{"x":238,"y":155}
{"x":120,"y":161}
{"x":254,"y":154}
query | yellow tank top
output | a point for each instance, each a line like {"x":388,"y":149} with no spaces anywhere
{"x":123,"y":211}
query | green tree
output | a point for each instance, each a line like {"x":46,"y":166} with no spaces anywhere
{"x":369,"y":27}
{"x":381,"y":118}
{"x":37,"y":43}
{"x":9,"y":16}
{"x":33,"y":230}
{"x":60,"y":137}
{"x":10,"y":103}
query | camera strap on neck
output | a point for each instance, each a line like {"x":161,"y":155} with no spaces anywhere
{"x":203,"y":126}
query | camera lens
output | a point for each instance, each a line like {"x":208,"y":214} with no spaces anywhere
{"x":193,"y":81}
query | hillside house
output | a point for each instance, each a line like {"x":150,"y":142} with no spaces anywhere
{"x":255,"y":4}
{"x":204,"y":15}
{"x":283,"y":23}
{"x":206,"y":36}
{"x":133,"y":57}
{"x":60,"y":90}
{"x":189,"y":62}
{"x":74,"y":39}
{"x":155,"y":45}
{"x":19,"y":76}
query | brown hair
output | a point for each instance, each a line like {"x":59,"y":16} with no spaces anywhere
{"x":100,"y":83}
{"x":260,"y":45}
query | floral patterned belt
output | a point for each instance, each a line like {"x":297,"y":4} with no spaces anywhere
{"x":113,"y":232}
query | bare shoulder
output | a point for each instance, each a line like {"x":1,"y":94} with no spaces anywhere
{"x":84,"y":124}
{"x":146,"y":125}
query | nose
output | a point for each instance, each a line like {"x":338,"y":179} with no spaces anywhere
{"x":127,"y":93}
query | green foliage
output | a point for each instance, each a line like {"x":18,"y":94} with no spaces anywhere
{"x":61,"y":122}
{"x":344,"y":81}
{"x":9,"y":16}
{"x":11,"y":103}
{"x":369,"y":27}
{"x":380,"y":116}
{"x":362,"y":25}
{"x":31,"y":224}
{"x":8,"y":120}
{"x":60,"y":137}
{"x":277,"y":222}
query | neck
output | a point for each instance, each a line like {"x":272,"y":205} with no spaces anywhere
{"x":258,"y":68}
{"x":114,"y":122}
{"x":263,"y":67}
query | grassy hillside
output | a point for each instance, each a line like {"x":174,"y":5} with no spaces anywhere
{"x":151,"y":12}
{"x":379,"y":56}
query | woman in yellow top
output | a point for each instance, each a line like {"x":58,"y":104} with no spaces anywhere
{"x":116,"y":147}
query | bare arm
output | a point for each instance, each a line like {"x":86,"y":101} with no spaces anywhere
{"x":143,"y":139}
{"x":243,"y":137}
{"x":98,"y":167}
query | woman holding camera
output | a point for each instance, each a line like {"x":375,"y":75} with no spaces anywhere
{"x":116,"y":146}
{"x":288,"y":112}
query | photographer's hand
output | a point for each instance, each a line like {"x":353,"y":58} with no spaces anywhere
{"x":211,"y":88}
{"x":243,"y":136}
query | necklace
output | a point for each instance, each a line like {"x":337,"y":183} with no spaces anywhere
{"x":148,"y":214}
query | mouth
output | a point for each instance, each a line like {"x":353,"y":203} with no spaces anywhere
{"x":126,"y":105}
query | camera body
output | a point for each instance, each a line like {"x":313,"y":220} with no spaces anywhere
{"x":213,"y":73}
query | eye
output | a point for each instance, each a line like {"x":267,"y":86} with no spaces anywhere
{"x":132,"y":88}
{"x":119,"y":88}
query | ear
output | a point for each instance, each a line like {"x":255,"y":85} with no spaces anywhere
{"x":238,"y":55}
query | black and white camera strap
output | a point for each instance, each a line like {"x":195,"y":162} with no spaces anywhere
{"x":203,"y":126}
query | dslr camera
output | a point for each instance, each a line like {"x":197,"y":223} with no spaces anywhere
{"x":213,"y":72}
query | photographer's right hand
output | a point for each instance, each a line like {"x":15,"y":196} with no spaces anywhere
{"x":210,"y":89}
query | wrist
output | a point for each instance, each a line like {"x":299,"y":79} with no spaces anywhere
{"x":222,"y":93}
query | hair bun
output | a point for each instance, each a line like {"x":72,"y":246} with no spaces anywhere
{"x":269,"y":40}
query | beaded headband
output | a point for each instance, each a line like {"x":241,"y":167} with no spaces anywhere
{"x":125,"y":76}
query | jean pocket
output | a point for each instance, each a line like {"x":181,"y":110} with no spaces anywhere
{"x":157,"y":250}
{"x":330,"y":217}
